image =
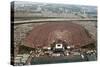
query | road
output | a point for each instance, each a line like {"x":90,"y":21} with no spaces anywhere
{"x":46,"y":20}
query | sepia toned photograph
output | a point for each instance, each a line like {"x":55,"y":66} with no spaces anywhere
{"x":48,"y":33}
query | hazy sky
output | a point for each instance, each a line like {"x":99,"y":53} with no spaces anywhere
{"x":80,"y":2}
